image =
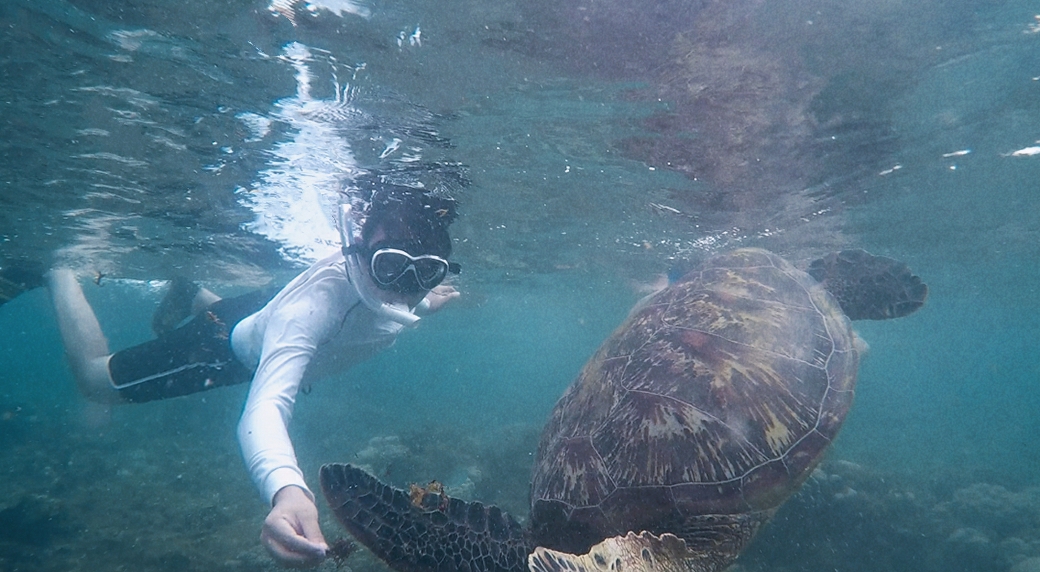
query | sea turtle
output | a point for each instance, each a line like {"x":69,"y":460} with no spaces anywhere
{"x":702,"y":413}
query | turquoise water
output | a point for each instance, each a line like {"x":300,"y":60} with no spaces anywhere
{"x":592,"y":146}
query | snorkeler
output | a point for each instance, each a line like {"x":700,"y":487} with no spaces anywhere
{"x":335,"y":314}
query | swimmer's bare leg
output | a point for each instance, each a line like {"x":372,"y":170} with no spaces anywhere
{"x":183,"y":300}
{"x":85,"y":344}
{"x":203,"y":299}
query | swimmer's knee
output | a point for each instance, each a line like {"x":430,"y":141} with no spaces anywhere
{"x":94,"y":381}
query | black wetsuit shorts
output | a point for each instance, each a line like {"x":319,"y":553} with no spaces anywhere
{"x":192,"y":358}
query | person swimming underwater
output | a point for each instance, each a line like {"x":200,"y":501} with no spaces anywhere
{"x":338,"y":312}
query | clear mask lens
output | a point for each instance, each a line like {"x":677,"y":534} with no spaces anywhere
{"x":394,"y":269}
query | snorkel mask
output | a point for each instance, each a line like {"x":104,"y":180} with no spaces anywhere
{"x":394,"y":311}
{"x":396,"y":270}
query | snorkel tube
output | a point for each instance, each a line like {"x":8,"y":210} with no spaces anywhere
{"x":396,"y":312}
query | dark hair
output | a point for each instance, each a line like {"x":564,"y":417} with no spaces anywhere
{"x":409,"y":217}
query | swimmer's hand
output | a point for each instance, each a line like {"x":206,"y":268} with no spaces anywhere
{"x":440,"y":296}
{"x":291,"y":532}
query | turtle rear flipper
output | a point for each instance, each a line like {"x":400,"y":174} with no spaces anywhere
{"x":423,"y":530}
{"x":643,"y":552}
{"x":869,"y":287}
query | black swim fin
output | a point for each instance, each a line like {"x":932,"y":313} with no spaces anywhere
{"x":870,"y":287}
{"x":423,"y":530}
{"x":18,"y":276}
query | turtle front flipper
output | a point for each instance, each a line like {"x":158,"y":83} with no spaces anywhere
{"x":423,"y":530}
{"x":643,"y":552}
{"x":869,"y":287}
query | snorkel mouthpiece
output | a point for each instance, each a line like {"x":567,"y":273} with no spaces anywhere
{"x":397,"y":312}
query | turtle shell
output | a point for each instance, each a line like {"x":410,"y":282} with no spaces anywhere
{"x":712,"y":402}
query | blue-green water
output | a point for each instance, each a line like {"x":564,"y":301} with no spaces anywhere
{"x":592,"y":146}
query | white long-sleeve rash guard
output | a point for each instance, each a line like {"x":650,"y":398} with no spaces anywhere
{"x":320,"y":308}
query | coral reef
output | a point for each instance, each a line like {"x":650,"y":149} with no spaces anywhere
{"x":162,"y":489}
{"x":849,"y":517}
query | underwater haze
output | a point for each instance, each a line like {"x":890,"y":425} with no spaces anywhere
{"x":593,"y":147}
